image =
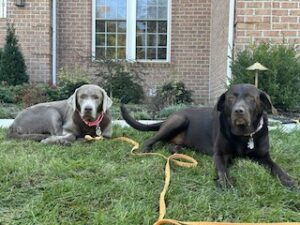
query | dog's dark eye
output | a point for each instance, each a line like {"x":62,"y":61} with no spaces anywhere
{"x":231,"y":98}
{"x":95,"y":96}
{"x":250,"y":98}
{"x":83,"y":96}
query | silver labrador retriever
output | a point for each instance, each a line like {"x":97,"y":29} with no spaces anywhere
{"x":61,"y":122}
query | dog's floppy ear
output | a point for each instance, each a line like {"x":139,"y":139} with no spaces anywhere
{"x":107,"y":102}
{"x":72,"y":100}
{"x":266,"y":102}
{"x":221,"y":102}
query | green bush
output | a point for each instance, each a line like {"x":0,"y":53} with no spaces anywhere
{"x":174,"y":92}
{"x":282,"y":79}
{"x":122,"y":85}
{"x":11,"y":94}
{"x":12,"y":64}
{"x":69,"y":80}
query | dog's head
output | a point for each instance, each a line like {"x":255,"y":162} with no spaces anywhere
{"x":90,"y":100}
{"x":243,"y":106}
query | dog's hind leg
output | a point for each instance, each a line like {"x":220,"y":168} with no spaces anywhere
{"x":168,"y":130}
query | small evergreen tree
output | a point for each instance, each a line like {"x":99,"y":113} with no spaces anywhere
{"x":12,"y":64}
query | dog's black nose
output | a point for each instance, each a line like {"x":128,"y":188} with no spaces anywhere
{"x":88,"y":109}
{"x":239,"y":110}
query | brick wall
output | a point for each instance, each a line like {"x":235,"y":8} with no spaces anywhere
{"x":190,"y":49}
{"x":74,"y":32}
{"x":219,"y":46}
{"x":263,"y":21}
{"x":33,"y":29}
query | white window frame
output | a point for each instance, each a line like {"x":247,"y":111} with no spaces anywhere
{"x":3,"y":8}
{"x":131,"y":33}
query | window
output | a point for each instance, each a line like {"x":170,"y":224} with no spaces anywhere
{"x":3,"y":6}
{"x":131,"y":29}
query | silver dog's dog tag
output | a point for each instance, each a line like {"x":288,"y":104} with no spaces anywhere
{"x":98,"y":131}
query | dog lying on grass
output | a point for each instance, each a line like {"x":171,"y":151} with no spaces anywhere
{"x":236,"y":127}
{"x":61,"y":122}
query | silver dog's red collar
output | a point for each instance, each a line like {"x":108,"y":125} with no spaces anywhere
{"x":259,"y":127}
{"x":96,"y":122}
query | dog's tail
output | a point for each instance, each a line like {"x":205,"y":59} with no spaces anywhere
{"x":137,"y":125}
{"x":11,"y":133}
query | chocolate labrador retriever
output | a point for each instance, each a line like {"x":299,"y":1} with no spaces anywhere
{"x":236,"y":127}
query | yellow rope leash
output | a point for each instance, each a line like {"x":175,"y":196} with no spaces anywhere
{"x":183,"y":161}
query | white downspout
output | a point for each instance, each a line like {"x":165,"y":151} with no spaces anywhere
{"x":230,"y":37}
{"x":54,"y":42}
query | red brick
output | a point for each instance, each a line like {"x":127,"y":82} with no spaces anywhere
{"x":289,"y":19}
{"x":280,"y":12}
{"x":288,"y":5}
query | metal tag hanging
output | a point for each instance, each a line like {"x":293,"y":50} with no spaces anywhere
{"x":98,"y":131}
{"x":251,"y":143}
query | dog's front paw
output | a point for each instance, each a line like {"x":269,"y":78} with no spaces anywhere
{"x":289,"y":182}
{"x":146,"y":148}
{"x":56,"y":140}
{"x":224,"y":182}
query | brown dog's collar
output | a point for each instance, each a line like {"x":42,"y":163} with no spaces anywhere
{"x":259,"y":127}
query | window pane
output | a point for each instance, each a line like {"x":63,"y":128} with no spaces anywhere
{"x":121,"y":9}
{"x":162,"y":53}
{"x":140,"y":27}
{"x":152,"y":2}
{"x":140,"y":53}
{"x":162,"y":2}
{"x":111,"y":40}
{"x":141,"y":9}
{"x":111,"y":53}
{"x":141,"y":40}
{"x":162,"y":40}
{"x":121,"y":53}
{"x":121,"y":27}
{"x":100,"y":2}
{"x":121,"y":40}
{"x":151,"y":27}
{"x":162,"y":13}
{"x":101,"y":12}
{"x":111,"y":10}
{"x":100,"y":39}
{"x":100,"y":26}
{"x":111,"y":27}
{"x":151,"y":53}
{"x":100,"y":53}
{"x":151,"y":40}
{"x":151,"y":12}
{"x":162,"y":27}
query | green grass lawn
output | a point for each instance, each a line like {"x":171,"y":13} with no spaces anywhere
{"x":101,"y":183}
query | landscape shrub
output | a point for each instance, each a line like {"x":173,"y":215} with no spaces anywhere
{"x":282,"y":79}
{"x":169,"y":94}
{"x":10,"y":94}
{"x":123,"y":86}
{"x":69,"y":80}
{"x":174,"y":92}
{"x":12,"y":63}
{"x":32,"y":94}
{"x":121,"y":80}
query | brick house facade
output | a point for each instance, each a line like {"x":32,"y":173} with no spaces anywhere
{"x":202,"y":35}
